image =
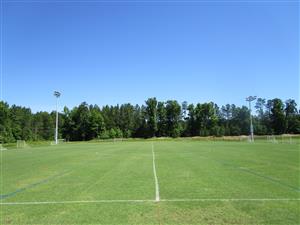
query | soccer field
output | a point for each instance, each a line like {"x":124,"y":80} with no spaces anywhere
{"x":145,"y":182}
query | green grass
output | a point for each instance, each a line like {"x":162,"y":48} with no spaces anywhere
{"x":200,"y":182}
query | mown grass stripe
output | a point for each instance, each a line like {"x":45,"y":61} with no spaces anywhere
{"x":259,"y":175}
{"x":11,"y":194}
{"x":153,"y":201}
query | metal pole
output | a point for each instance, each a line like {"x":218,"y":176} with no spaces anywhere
{"x":250,"y":99}
{"x":56,"y":127}
{"x":251,"y":123}
{"x":57,"y":95}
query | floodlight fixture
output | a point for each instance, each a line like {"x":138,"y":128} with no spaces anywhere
{"x":57,"y":94}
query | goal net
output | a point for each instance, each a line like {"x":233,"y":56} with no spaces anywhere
{"x":117,"y":140}
{"x":243,"y":138}
{"x":21,"y":144}
{"x":59,"y":141}
{"x":287,"y":138}
{"x":2,"y":148}
{"x":1,"y":144}
{"x":272,"y":139}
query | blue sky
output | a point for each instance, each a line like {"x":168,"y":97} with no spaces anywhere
{"x":119,"y":52}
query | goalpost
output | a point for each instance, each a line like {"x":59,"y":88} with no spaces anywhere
{"x":286,"y":138}
{"x":1,"y":144}
{"x":21,"y":144}
{"x":272,"y":139}
{"x":1,"y":147}
{"x":117,"y":140}
{"x":59,"y":141}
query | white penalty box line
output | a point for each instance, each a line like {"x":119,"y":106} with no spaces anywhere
{"x":154,"y":201}
{"x":157,"y":197}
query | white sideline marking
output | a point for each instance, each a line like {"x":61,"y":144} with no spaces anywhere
{"x":230,"y":200}
{"x":162,"y":200}
{"x":76,"y":202}
{"x":157,"y":198}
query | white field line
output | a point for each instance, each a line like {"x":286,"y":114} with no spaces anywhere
{"x":76,"y":202}
{"x":231,"y":200}
{"x":153,"y":201}
{"x":157,"y":198}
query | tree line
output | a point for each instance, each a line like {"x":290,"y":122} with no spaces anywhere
{"x":152,"y":119}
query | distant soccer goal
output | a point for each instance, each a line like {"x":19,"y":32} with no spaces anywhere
{"x":59,"y":141}
{"x":117,"y":140}
{"x":21,"y":144}
{"x":2,"y":148}
{"x":287,"y":139}
{"x":272,"y":139}
{"x":243,"y":138}
{"x":1,"y":144}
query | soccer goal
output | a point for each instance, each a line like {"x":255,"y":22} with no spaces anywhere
{"x":272,"y":139}
{"x":21,"y":144}
{"x":117,"y":140}
{"x":2,"y":148}
{"x":1,"y":144}
{"x":59,"y":141}
{"x":243,"y":138}
{"x":287,"y":139}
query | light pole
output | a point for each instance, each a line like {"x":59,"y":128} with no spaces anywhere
{"x":250,"y":99}
{"x":57,"y":95}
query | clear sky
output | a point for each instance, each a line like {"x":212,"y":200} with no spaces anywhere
{"x":126,"y":51}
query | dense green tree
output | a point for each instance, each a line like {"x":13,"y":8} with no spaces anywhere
{"x":21,"y":122}
{"x":205,"y":118}
{"x":139,"y":122}
{"x":43,"y":126}
{"x":173,"y":116}
{"x":291,"y":117}
{"x":37,"y":126}
{"x":261,"y":121}
{"x":109,"y":117}
{"x":226,"y":116}
{"x":191,"y":129}
{"x":68,"y":128}
{"x":127,"y":123}
{"x":5,"y":123}
{"x":240,"y":121}
{"x":96,"y":122}
{"x":161,"y":119}
{"x":277,"y":116}
{"x":81,"y":117}
{"x":151,"y":116}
